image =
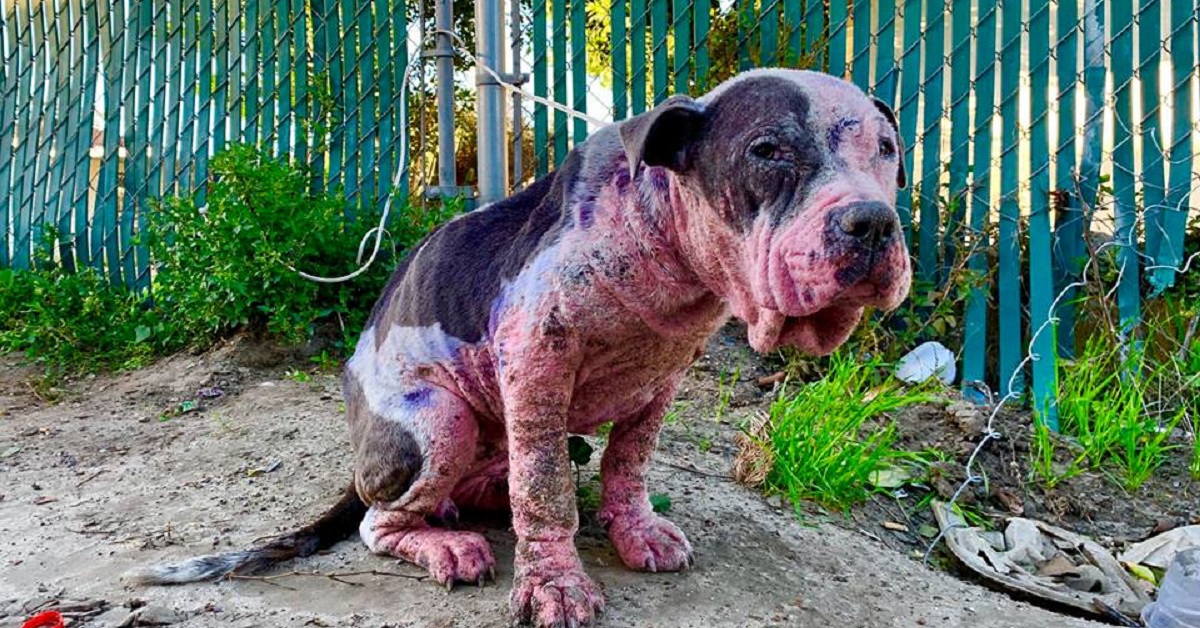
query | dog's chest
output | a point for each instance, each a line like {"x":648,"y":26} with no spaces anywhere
{"x":616,"y":380}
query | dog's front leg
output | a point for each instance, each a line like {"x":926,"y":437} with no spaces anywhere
{"x":644,"y":540}
{"x":550,"y":587}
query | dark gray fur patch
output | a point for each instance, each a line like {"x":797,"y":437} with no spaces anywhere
{"x":755,"y":108}
{"x":456,"y":274}
{"x":387,"y":459}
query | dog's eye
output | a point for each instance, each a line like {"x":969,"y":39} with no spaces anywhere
{"x":887,"y":148}
{"x":766,"y":149}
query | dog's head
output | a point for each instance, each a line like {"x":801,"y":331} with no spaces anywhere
{"x":789,"y":182}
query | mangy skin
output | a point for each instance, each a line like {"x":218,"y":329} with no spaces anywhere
{"x":618,"y":282}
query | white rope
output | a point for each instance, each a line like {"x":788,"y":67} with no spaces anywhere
{"x":380,"y":230}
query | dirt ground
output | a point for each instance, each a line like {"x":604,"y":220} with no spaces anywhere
{"x":106,"y":480}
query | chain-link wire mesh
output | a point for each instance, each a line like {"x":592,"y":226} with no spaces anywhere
{"x":105,"y":106}
{"x":1035,"y":131}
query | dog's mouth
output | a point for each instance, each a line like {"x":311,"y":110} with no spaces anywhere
{"x":816,"y":333}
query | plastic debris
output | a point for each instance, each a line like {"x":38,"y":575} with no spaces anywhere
{"x":1036,"y":560}
{"x":1159,"y":551}
{"x":1178,"y":603}
{"x":46,"y":619}
{"x":930,"y":359}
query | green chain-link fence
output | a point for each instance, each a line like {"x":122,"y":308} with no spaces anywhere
{"x":1028,"y":124}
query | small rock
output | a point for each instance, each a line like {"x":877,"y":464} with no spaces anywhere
{"x":113,"y":618}
{"x":154,"y":615}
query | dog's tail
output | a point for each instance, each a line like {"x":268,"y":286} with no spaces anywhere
{"x":336,"y":524}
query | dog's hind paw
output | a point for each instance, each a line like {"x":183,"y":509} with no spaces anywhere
{"x":648,"y":542}
{"x":556,"y":598}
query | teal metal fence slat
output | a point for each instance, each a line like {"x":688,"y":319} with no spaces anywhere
{"x":838,"y":24}
{"x":975,"y":341}
{"x":1125,"y":210}
{"x":815,"y":31}
{"x":8,"y":110}
{"x":768,"y":30}
{"x":860,"y":62}
{"x":1041,"y":285}
{"x":1153,"y":178}
{"x":931,"y":139}
{"x":368,"y":73}
{"x":747,"y":21}
{"x":559,"y":57}
{"x":908,"y":106}
{"x":659,"y":27}
{"x":620,"y":59}
{"x":1068,"y":223}
{"x":541,"y":131}
{"x":703,"y":22}
{"x":1169,"y":255}
{"x":960,"y":121}
{"x":682,"y":29}
{"x":181,"y":79}
{"x":637,"y":55}
{"x":1011,"y":347}
{"x":793,"y":33}
{"x":579,"y":76}
{"x":884,"y":87}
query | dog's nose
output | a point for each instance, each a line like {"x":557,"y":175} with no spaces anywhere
{"x":869,"y":222}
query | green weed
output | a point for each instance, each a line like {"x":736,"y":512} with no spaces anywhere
{"x":824,"y":445}
{"x":1106,"y":403}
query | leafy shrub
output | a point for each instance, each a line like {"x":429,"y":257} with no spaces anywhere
{"x":74,"y":321}
{"x":232,"y":263}
{"x":227,"y":266}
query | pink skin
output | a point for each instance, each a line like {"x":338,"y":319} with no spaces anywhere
{"x":661,"y":270}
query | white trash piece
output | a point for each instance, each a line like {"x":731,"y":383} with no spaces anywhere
{"x":928,"y":360}
{"x":1178,"y":603}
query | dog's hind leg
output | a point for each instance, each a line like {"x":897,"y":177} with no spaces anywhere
{"x":485,"y":487}
{"x":411,"y":448}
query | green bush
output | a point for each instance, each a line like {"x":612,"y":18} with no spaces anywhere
{"x":230,"y":265}
{"x":69,"y":322}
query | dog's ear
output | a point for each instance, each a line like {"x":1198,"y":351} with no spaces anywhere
{"x":901,"y":175}
{"x":663,"y":135}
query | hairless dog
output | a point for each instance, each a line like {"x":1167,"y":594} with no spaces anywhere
{"x":583,"y":300}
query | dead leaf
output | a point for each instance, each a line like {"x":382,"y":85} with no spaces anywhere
{"x":1010,"y":500}
{"x":892,"y":525}
{"x":1163,"y":525}
{"x":1058,"y":566}
{"x":890,"y":477}
{"x":10,"y":452}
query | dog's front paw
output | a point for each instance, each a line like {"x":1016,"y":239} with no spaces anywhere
{"x":549,"y":596}
{"x":648,"y":542}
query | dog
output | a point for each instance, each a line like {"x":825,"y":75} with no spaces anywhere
{"x":583,"y":300}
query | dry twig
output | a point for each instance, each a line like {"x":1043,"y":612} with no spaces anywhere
{"x":334,"y":576}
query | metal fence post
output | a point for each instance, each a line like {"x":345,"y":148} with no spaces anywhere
{"x":518,"y":138}
{"x":489,"y":32}
{"x":443,"y":12}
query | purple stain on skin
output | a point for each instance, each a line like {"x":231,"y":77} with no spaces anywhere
{"x":658,"y":179}
{"x":417,"y":398}
{"x":587,"y":212}
{"x":842,"y":126}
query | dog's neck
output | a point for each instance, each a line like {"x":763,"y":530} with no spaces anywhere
{"x":662,"y":286}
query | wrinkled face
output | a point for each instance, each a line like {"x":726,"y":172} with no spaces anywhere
{"x":790,"y":183}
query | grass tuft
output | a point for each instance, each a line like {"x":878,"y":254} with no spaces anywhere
{"x":822,"y":440}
